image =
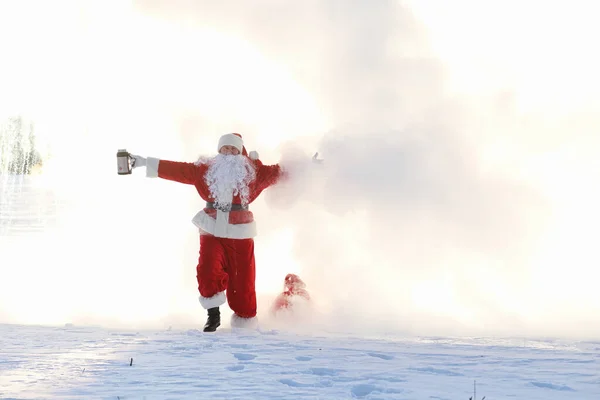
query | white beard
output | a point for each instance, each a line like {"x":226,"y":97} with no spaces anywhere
{"x":228,"y":176}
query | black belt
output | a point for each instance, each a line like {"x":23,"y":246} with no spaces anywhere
{"x":231,"y":207}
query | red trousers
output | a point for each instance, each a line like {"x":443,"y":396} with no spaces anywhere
{"x":228,"y":264}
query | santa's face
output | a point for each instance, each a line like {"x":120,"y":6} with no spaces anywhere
{"x":229,"y":150}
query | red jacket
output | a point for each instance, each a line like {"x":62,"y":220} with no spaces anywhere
{"x":236,"y":224}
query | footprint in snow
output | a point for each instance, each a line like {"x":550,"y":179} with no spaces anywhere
{"x":293,"y":383}
{"x":323,"y":371}
{"x":235,"y":368}
{"x":436,"y":371}
{"x":561,"y":388}
{"x":244,"y":356}
{"x":362,"y":390}
{"x":382,"y":356}
{"x":296,"y":384}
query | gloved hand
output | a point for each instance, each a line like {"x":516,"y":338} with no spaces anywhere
{"x":316,"y":160}
{"x":137,"y":161}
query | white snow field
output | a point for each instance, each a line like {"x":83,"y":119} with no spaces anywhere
{"x":87,"y":362}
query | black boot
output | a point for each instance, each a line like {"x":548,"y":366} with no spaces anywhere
{"x":213,"y":321}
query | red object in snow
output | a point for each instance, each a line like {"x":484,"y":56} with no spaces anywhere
{"x":292,"y":286}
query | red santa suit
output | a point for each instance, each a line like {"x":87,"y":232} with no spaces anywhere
{"x":226,"y":266}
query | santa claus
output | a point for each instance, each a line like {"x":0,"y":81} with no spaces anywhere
{"x":228,"y":183}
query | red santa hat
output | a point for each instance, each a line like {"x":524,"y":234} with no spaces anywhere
{"x":235,"y":140}
{"x":293,"y":281}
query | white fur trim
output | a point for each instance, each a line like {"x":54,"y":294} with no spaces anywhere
{"x":214,"y":301}
{"x":253,"y":155}
{"x":152,"y":167}
{"x":221,"y":223}
{"x":231,"y":140}
{"x":244,"y":323}
{"x":207,"y":224}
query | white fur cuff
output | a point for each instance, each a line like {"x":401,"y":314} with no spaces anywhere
{"x":152,"y":167}
{"x":214,"y":301}
{"x":244,"y":323}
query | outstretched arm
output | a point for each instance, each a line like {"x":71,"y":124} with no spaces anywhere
{"x":182,"y":172}
{"x":267,"y":175}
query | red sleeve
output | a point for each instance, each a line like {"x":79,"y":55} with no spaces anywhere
{"x":182,"y":172}
{"x":267,"y":175}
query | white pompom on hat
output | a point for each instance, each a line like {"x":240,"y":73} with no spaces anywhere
{"x":235,"y":140}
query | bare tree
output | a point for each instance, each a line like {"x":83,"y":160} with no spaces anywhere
{"x":18,"y":153}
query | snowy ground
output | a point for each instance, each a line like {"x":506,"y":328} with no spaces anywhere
{"x":89,"y":362}
{"x":275,"y":362}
